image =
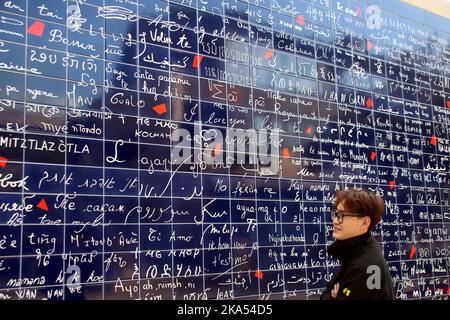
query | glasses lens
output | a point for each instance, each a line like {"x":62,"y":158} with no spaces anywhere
{"x":338,"y":215}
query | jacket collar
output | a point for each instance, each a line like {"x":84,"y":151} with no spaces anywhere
{"x":345,"y":249}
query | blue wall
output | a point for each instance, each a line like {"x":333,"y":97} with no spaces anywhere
{"x":93,"y":206}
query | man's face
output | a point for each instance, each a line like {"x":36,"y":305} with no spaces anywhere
{"x":350,"y":226}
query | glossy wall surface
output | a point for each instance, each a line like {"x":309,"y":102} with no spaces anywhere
{"x":93,"y":206}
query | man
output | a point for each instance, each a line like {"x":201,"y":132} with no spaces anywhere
{"x":364,"y":274}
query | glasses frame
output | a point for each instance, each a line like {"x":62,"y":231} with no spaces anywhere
{"x":341,"y":214}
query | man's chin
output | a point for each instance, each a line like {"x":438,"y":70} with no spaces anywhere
{"x":336,"y":235}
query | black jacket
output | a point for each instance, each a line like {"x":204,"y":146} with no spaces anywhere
{"x":356,"y":255}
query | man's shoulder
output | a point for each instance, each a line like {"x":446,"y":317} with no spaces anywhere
{"x":370,"y":255}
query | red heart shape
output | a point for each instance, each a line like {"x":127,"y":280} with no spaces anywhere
{"x":433,"y":140}
{"x":217,"y":149}
{"x":42,"y":205}
{"x":197,"y":60}
{"x":160,"y":108}
{"x":268,"y":54}
{"x":3,"y":162}
{"x":37,"y":29}
{"x":301,"y":20}
{"x":413,"y":251}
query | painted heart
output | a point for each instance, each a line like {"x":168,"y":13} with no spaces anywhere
{"x":268,"y":54}
{"x":197,"y":60}
{"x":160,"y":108}
{"x":301,"y":20}
{"x":413,"y":251}
{"x":37,"y":29}
{"x":3,"y":162}
{"x":42,"y":205}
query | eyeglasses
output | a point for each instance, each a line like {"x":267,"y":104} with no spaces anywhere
{"x":340,"y":215}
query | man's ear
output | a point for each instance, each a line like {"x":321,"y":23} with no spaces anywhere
{"x":366,"y":222}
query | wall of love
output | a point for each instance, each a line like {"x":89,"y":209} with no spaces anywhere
{"x":97,"y":202}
